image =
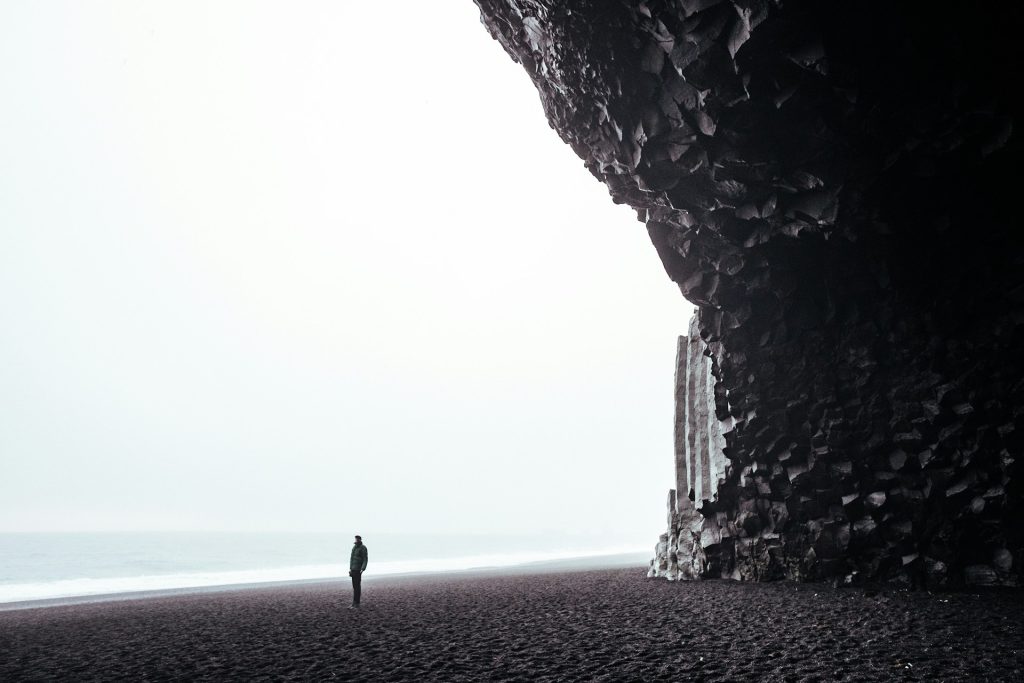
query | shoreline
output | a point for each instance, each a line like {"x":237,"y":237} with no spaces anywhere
{"x":556,"y":565}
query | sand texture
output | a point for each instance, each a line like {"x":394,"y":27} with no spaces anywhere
{"x":607,"y":625}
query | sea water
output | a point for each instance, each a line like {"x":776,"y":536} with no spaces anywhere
{"x":38,"y":566}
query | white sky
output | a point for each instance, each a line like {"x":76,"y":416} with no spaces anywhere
{"x":313,"y":266}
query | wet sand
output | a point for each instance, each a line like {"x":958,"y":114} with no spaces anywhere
{"x":607,"y":625}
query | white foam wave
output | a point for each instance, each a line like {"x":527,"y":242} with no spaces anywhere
{"x":83,"y":587}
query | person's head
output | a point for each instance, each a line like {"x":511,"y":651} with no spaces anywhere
{"x":359,"y":539}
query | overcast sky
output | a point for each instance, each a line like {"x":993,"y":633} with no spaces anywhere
{"x":313,"y":266}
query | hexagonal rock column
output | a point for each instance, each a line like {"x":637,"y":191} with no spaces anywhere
{"x":690,"y":547}
{"x":835,"y":185}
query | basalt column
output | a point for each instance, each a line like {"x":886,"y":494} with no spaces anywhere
{"x":835,"y":185}
{"x":690,"y":549}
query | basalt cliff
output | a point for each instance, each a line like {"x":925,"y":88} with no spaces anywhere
{"x":835,"y":186}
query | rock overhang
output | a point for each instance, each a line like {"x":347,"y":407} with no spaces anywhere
{"x":833,"y":184}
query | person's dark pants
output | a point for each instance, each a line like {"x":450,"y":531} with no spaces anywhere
{"x":357,"y":580}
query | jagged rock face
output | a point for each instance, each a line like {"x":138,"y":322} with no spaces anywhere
{"x":834,"y":185}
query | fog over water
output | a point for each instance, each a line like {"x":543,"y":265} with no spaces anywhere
{"x":315,"y":266}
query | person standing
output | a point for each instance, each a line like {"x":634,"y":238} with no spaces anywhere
{"x":356,"y":567}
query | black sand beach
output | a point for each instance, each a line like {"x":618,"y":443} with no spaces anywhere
{"x":606,"y":625}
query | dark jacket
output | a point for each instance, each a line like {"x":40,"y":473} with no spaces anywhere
{"x":359,"y":557}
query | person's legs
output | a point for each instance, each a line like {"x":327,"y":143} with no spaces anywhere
{"x":357,"y":580}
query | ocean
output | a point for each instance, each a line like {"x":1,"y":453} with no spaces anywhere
{"x":39,"y":566}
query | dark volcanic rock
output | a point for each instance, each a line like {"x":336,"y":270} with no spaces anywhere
{"x":834,"y":185}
